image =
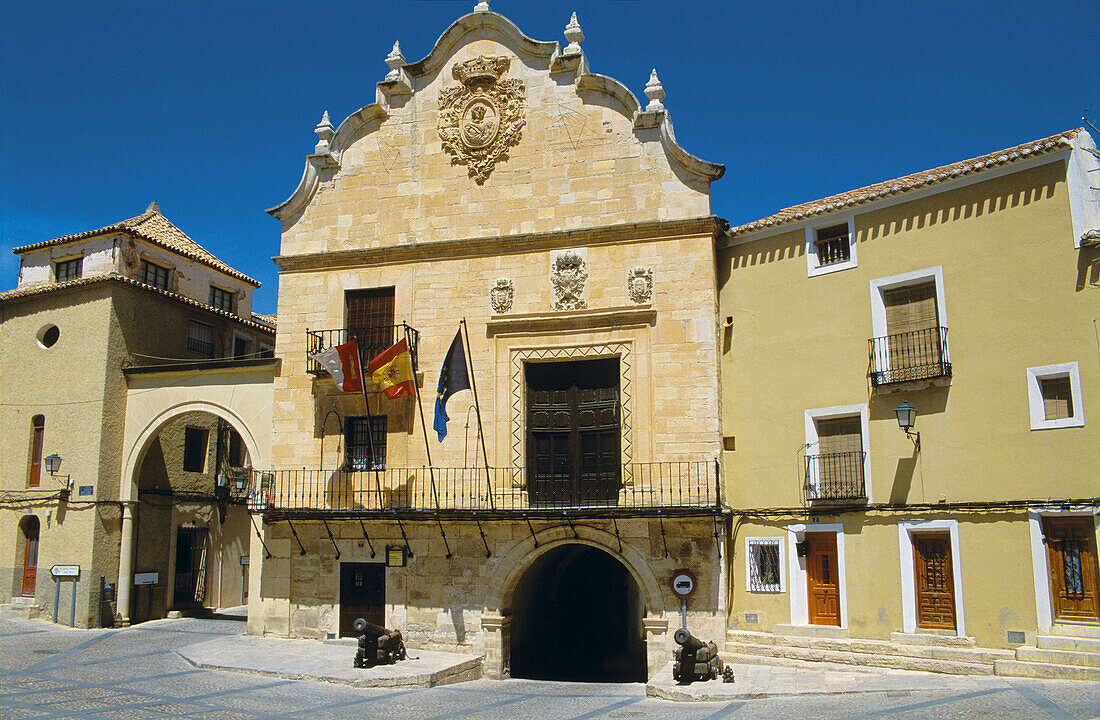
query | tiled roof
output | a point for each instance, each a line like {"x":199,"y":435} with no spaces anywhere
{"x":910,"y":182}
{"x":154,"y":228}
{"x":265,"y":319}
{"x":46,"y":289}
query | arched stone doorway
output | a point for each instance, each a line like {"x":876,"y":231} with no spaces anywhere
{"x":577,"y":616}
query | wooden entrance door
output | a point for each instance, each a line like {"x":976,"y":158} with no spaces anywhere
{"x":823,"y":578}
{"x":1071,"y":556}
{"x":362,"y":595}
{"x":29,"y":526}
{"x":935,"y":581}
{"x":573,"y":432}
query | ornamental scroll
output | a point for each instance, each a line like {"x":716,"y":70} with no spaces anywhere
{"x":480,"y":120}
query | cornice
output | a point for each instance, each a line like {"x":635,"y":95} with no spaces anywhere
{"x":593,"y":319}
{"x":495,"y":245}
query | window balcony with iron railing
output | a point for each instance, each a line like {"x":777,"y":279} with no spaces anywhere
{"x":909,"y":356}
{"x":370,"y":340}
{"x":835,"y":476}
{"x":666,"y":488}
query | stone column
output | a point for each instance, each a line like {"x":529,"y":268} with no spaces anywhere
{"x":125,"y":564}
{"x":497,"y":634}
{"x":656,"y":634}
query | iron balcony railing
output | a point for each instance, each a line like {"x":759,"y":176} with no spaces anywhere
{"x":835,"y":476}
{"x":916,"y":355}
{"x":371,"y":342}
{"x":663,"y":486}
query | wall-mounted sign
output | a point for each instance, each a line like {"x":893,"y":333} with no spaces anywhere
{"x":245,"y":559}
{"x":65,"y":571}
{"x":396,"y":556}
{"x":147,"y":578}
{"x":683,"y":583}
{"x":86,"y":490}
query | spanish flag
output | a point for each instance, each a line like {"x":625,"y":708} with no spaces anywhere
{"x":393,"y":371}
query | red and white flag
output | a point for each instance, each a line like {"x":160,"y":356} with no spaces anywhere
{"x":342,"y":363}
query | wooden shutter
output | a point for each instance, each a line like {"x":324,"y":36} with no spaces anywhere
{"x":911,"y":308}
{"x":34,"y":471}
{"x":370,"y":320}
{"x":1057,"y":398}
{"x":839,"y":435}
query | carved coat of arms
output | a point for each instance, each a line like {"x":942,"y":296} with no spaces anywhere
{"x":568,"y":276}
{"x":639,"y":285}
{"x":502,"y":295}
{"x":481,"y":119}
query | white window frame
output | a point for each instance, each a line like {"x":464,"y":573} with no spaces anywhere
{"x":800,"y":602}
{"x":813,"y":265}
{"x":812,"y":439}
{"x":906,"y":528}
{"x":781,"y":586}
{"x":880,"y":285}
{"x":1040,"y":565}
{"x":1035,"y":396}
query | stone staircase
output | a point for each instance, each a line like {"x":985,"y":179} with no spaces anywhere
{"x":927,"y":652}
{"x":1069,"y":652}
{"x":22,"y":607}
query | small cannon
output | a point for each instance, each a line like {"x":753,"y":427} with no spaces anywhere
{"x":377,"y":645}
{"x":695,"y":659}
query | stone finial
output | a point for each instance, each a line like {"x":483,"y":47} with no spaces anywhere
{"x":325,"y":132}
{"x":574,"y":35}
{"x":153,"y":208}
{"x":482,"y":6}
{"x":396,"y":61}
{"x":655,"y":92}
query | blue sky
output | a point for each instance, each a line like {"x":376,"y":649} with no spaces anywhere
{"x":209,"y":107}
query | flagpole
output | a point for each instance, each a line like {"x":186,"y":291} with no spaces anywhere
{"x":370,"y":427}
{"x":477,"y":407}
{"x":424,"y":427}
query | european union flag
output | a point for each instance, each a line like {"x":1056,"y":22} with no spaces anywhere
{"x":452,"y":377}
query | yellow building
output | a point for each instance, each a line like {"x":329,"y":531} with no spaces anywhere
{"x":970,"y":293}
{"x":90,"y":312}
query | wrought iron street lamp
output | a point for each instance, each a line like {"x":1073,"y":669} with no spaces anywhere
{"x":907,"y":418}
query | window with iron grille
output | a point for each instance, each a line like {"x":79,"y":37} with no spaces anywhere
{"x":200,"y":339}
{"x":194,"y":449}
{"x":68,"y":269}
{"x":366,"y":451}
{"x":153,"y":274}
{"x":221,"y":299}
{"x":765,"y":569}
{"x":833,"y":245}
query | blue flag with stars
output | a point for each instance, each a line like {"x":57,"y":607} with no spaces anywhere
{"x":452,"y":377}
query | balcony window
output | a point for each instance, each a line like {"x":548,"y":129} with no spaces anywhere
{"x":836,"y":454}
{"x":366,"y":443}
{"x":370,"y":320}
{"x":910,"y":342}
{"x":68,"y":270}
{"x":200,"y":339}
{"x":221,"y":299}
{"x":153,"y":274}
{"x":830,"y":248}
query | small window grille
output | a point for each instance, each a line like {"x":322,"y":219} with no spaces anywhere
{"x":68,"y":270}
{"x":832,"y":245}
{"x":221,"y":299}
{"x":359,"y":444}
{"x":200,"y":339}
{"x":764,"y":570}
{"x":155,"y":275}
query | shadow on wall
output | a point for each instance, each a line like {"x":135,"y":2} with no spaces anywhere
{"x":931,"y":401}
{"x":1088,"y":268}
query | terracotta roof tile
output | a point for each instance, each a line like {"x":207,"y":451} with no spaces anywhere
{"x":909,"y":182}
{"x":154,"y":228}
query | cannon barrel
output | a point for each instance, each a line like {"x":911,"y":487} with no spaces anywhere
{"x":687,"y":640}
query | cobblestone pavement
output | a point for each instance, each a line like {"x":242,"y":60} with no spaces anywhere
{"x":48,"y":671}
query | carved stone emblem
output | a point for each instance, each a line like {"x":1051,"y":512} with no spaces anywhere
{"x":481,"y":119}
{"x":639,"y":285}
{"x":502,"y":295}
{"x":569,"y":276}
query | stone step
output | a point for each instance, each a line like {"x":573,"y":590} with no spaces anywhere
{"x":1081,"y":630}
{"x":821,"y":631}
{"x":22,"y":610}
{"x":737,"y":658}
{"x":1075,"y":644}
{"x":922,"y":637}
{"x":1058,"y":657}
{"x":847,"y":657}
{"x":960,"y":653}
{"x":1045,"y":671}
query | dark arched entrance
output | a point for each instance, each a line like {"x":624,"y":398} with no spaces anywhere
{"x":577,"y":615}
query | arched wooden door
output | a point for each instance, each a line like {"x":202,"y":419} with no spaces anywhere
{"x":29,"y":526}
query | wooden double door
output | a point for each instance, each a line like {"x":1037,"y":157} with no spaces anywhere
{"x":573,"y":431}
{"x":1072,"y":561}
{"x":934,"y":581}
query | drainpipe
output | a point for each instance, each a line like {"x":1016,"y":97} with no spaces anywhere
{"x":125,"y":563}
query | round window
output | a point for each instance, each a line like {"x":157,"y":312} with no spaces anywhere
{"x":48,"y":336}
